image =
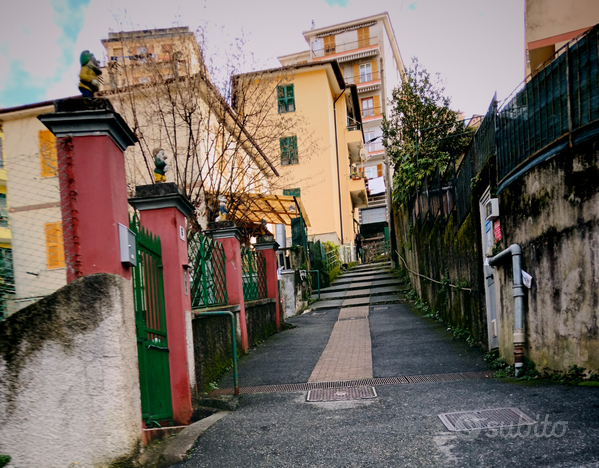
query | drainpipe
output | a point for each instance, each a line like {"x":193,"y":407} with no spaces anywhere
{"x":337,"y":153}
{"x":518,"y":292}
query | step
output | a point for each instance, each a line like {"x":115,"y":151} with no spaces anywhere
{"x":355,"y":279}
{"x":356,"y":301}
{"x":362,"y":285}
{"x":368,"y":291}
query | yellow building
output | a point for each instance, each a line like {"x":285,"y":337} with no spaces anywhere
{"x":316,"y":104}
{"x":140,"y":57}
{"x":367,"y":52}
{"x":550,"y":24}
{"x":7,"y":281}
{"x":33,"y":195}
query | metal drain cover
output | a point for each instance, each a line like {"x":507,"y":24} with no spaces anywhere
{"x":341,"y":394}
{"x":485,"y":419}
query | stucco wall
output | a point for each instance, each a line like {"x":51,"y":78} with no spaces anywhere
{"x":553,"y":213}
{"x":69,"y":386}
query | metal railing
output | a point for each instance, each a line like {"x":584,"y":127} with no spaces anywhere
{"x":365,"y":77}
{"x":207,"y":271}
{"x":253,"y":272}
{"x":344,"y":47}
{"x":371,"y":112}
{"x":332,"y":259}
{"x":548,"y":108}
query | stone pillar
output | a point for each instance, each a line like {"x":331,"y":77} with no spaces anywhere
{"x":268,"y":247}
{"x":229,"y":236}
{"x":91,"y":139}
{"x":163,"y":210}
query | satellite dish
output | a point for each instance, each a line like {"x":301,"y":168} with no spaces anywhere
{"x":363,"y":154}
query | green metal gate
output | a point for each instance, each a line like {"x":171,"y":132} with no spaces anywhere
{"x":150,"y":323}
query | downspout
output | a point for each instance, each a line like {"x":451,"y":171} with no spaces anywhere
{"x":518,"y":292}
{"x":337,"y":153}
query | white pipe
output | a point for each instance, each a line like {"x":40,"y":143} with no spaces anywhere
{"x":518,"y":292}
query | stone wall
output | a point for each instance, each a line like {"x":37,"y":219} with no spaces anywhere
{"x":69,"y":385}
{"x":552,"y":212}
{"x":261,"y":320}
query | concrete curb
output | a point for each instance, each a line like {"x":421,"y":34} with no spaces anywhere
{"x":184,"y":441}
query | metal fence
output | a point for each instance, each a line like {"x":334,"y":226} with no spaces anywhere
{"x":547,"y":110}
{"x":332,"y":259}
{"x":253,"y":266}
{"x":207,"y":273}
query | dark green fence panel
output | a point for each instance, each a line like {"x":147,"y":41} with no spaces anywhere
{"x":253,"y":274}
{"x":150,"y":322}
{"x":207,"y":272}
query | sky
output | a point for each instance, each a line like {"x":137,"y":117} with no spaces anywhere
{"x":477,"y":46}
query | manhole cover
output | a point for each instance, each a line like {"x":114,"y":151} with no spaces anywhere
{"x":485,"y":419}
{"x":341,"y":394}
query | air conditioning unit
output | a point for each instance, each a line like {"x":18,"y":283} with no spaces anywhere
{"x":492,"y":209}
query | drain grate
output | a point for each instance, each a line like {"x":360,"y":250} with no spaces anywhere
{"x":341,"y":394}
{"x":351,"y":318}
{"x":485,"y":419}
{"x":374,"y":382}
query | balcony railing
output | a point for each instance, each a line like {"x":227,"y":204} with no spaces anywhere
{"x":374,"y":146}
{"x":371,"y":112}
{"x":363,"y":78}
{"x":345,"y":47}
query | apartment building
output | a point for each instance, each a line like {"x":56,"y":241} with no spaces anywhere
{"x":143,"y":57}
{"x":367,"y":52}
{"x":321,"y":113}
{"x":550,"y":24}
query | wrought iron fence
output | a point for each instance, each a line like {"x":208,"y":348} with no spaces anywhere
{"x":253,"y":266}
{"x":207,"y":272}
{"x":559,"y":99}
{"x":332,"y":259}
{"x":376,"y":252}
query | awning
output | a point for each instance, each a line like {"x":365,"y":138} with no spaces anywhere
{"x":274,"y":209}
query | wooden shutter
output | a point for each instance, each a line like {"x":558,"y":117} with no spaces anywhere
{"x":54,"y":245}
{"x":379,"y":170}
{"x":375,"y":69}
{"x":363,"y":37}
{"x":356,"y":72}
{"x":329,"y":45}
{"x":377,"y":105}
{"x":47,"y":147}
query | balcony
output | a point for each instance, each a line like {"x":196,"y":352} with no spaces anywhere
{"x":370,"y":81}
{"x":371,"y":113}
{"x":374,"y":147}
{"x":357,"y":190}
{"x":367,"y":46}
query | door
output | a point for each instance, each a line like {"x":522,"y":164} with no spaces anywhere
{"x":150,"y":325}
{"x":489,"y":273}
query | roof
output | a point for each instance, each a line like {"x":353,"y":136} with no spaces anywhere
{"x":274,"y":209}
{"x":336,"y":71}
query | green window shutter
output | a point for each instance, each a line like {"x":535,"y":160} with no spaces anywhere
{"x":288,"y":150}
{"x":294,"y":192}
{"x":286,"y":98}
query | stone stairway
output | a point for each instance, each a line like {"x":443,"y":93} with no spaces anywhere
{"x":363,"y":285}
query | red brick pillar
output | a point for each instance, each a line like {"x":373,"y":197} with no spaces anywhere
{"x":163,"y":211}
{"x":91,"y":139}
{"x":228,"y":235}
{"x":269,"y":247}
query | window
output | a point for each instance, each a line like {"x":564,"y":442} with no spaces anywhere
{"x":368,"y":136}
{"x":293,"y":192}
{"x":286,"y":98}
{"x":365,"y":72}
{"x":367,"y":107}
{"x":329,"y":45}
{"x":47,"y":145}
{"x":288,"y":150}
{"x":54,"y":245}
{"x":370,"y":172}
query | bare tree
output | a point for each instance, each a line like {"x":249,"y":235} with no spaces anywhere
{"x":170,"y":102}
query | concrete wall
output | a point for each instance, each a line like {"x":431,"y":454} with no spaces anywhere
{"x":553,"y":213}
{"x":69,"y":385}
{"x":261,"y":320}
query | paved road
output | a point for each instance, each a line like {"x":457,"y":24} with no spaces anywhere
{"x":400,"y":427}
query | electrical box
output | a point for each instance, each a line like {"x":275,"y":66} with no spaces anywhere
{"x":492,"y":209}
{"x":127,"y":246}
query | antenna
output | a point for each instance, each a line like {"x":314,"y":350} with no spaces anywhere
{"x":313,"y":24}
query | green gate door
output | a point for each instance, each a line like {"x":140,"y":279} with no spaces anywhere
{"x":150,"y":322}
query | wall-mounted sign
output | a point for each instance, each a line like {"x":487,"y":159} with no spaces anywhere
{"x":181,"y":233}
